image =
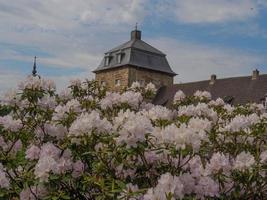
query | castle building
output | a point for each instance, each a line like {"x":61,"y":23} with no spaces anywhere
{"x":136,"y":60}
{"x":133,"y":61}
{"x":233,"y":90}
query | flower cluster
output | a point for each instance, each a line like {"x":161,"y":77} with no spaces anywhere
{"x":87,"y":143}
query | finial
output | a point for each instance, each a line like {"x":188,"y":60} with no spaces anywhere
{"x":34,"y":71}
{"x":136,"y":26}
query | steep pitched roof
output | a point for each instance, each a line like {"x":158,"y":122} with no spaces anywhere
{"x":136,"y":53}
{"x":137,"y":44}
{"x":242,"y":89}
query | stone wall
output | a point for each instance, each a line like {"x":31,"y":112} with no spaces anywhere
{"x":127,"y":75}
{"x":109,"y":77}
{"x":146,"y":76}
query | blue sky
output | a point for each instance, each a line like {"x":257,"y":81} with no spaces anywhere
{"x":200,"y":37}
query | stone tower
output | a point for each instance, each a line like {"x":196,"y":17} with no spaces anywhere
{"x":133,"y":61}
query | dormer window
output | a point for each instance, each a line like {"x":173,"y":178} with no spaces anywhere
{"x":108,"y":58}
{"x":119,"y":56}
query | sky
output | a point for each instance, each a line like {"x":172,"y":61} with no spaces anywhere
{"x":69,"y":37}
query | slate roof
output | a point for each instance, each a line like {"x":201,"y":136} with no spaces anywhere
{"x":242,"y":89}
{"x":137,"y":53}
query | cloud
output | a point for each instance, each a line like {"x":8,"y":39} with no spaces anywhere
{"x":63,"y":34}
{"x":69,"y":31}
{"x":194,"y":61}
{"x":210,"y":11}
{"x":115,"y":12}
{"x":8,"y":80}
{"x":68,"y":34}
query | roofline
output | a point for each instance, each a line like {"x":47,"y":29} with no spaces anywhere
{"x":161,"y":53}
{"x":131,"y":65}
{"x":217,"y":79}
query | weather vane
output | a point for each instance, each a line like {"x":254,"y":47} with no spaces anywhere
{"x":136,"y":25}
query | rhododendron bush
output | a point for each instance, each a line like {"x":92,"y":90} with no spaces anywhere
{"x":88,"y":143}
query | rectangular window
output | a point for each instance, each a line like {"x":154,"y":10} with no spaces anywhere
{"x":103,"y":83}
{"x":118,"y":58}
{"x":142,"y":83}
{"x":117,"y":82}
{"x":108,"y":59}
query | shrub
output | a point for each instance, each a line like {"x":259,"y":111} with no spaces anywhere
{"x":87,"y":143}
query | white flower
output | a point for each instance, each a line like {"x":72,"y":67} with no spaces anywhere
{"x":132,"y":98}
{"x":55,"y":130}
{"x":33,"y":192}
{"x":202,"y":94}
{"x":229,"y":108}
{"x":135,"y":85}
{"x":4,"y":181}
{"x":195,"y":166}
{"x":32,"y":152}
{"x":11,"y":124}
{"x":51,"y":160}
{"x":47,"y":102}
{"x":61,"y":111}
{"x":11,"y":98}
{"x":207,"y":187}
{"x":179,"y":96}
{"x":218,"y":102}
{"x":200,"y":110}
{"x":218,"y":162}
{"x":44,"y":166}
{"x":76,"y":82}
{"x":48,"y":85}
{"x":244,"y":161}
{"x":200,"y":124}
{"x":151,"y":87}
{"x":263,"y":157}
{"x":130,"y":188}
{"x":159,"y":112}
{"x":113,"y":99}
{"x":86,"y":123}
{"x":242,"y":122}
{"x":65,"y":94}
{"x":189,"y":182}
{"x":167,"y":184}
{"x":134,"y":129}
{"x":37,"y":83}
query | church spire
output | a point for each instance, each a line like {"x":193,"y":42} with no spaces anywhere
{"x":34,"y":71}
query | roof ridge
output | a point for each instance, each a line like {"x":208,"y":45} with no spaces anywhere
{"x":227,"y":78}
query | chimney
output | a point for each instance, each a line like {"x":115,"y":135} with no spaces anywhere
{"x":212,"y":79}
{"x":136,"y":35}
{"x":255,"y":74}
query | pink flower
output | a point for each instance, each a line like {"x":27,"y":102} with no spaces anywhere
{"x":16,"y":147}
{"x":33,"y":153}
{"x":11,"y":124}
{"x":4,"y":181}
{"x":207,"y":187}
{"x":179,"y":96}
{"x":78,"y":168}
